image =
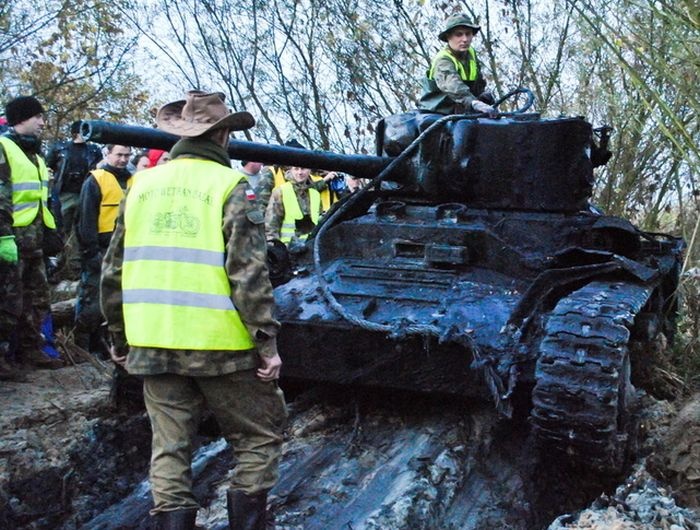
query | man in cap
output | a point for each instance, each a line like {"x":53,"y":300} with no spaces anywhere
{"x":25,"y":221}
{"x":185,"y":284}
{"x":454,"y":83}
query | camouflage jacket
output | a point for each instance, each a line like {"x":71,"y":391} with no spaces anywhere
{"x":251,"y":293}
{"x":274,"y":215}
{"x":261,"y":185}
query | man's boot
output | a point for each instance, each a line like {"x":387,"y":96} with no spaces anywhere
{"x":246,"y":512}
{"x":10,"y":373}
{"x":7,"y":371}
{"x":175,"y":520}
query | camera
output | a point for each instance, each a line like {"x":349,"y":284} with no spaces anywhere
{"x":337,"y":184}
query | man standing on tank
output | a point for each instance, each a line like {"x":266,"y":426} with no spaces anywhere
{"x":185,"y":282}
{"x":454,"y":83}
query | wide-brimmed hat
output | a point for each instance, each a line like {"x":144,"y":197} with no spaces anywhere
{"x":200,"y":113}
{"x":454,"y":21}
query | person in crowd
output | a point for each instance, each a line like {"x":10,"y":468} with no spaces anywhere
{"x":260,"y":180}
{"x":352,"y":185}
{"x":140,"y":161}
{"x":294,"y":209}
{"x":454,"y":83}
{"x":323,"y":182}
{"x":100,"y":196}
{"x":25,"y":222}
{"x":3,"y":125}
{"x":188,"y":300}
{"x":157,"y":157}
{"x":70,"y":162}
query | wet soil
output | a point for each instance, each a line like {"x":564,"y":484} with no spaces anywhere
{"x":353,"y":459}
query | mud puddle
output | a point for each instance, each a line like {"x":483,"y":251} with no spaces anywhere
{"x":352,"y":460}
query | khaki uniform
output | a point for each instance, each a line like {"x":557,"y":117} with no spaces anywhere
{"x":179,"y":383}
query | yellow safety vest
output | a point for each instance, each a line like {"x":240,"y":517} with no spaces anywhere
{"x":327,"y":198}
{"x":112,"y":195}
{"x":292,"y":211}
{"x":459,"y":66}
{"x":30,"y":186}
{"x":176,"y":293}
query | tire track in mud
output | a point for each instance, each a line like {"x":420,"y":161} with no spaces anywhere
{"x":399,"y":461}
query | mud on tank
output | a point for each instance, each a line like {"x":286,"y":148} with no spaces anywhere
{"x":473,"y":264}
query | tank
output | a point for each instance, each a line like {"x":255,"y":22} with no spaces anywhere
{"x":474,"y":264}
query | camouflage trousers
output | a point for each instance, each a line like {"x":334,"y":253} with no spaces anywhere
{"x":251,"y":413}
{"x":10,"y":300}
{"x":25,"y":300}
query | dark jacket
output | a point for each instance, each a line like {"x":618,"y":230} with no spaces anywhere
{"x":71,"y":163}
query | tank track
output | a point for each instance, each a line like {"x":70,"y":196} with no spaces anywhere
{"x":583,"y":397}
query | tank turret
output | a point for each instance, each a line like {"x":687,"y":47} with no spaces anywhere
{"x":516,"y":161}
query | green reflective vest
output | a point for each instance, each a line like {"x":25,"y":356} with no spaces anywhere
{"x":459,"y":66}
{"x":176,"y":293}
{"x":432,"y":98}
{"x":30,"y":186}
{"x":292,"y":211}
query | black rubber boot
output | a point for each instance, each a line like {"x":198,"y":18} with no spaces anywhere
{"x":246,"y":512}
{"x":175,"y":520}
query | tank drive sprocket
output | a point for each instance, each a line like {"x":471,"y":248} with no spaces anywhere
{"x":583,"y":399}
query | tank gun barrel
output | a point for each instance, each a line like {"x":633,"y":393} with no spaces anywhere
{"x":363,"y":166}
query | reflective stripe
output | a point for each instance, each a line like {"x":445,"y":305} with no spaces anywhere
{"x":177,"y":298}
{"x":26,"y":186}
{"x":25,"y":206}
{"x":181,"y":255}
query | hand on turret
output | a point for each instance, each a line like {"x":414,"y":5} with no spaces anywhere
{"x":480,"y":106}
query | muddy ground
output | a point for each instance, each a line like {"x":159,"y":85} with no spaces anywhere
{"x":352,"y":460}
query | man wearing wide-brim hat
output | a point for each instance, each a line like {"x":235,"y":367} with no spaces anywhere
{"x":454,"y":83}
{"x":187,"y":297}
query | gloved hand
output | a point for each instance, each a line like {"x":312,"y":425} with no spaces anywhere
{"x":480,"y":106}
{"x":8,"y":249}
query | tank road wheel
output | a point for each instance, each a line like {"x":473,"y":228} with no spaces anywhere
{"x":583,"y":399}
